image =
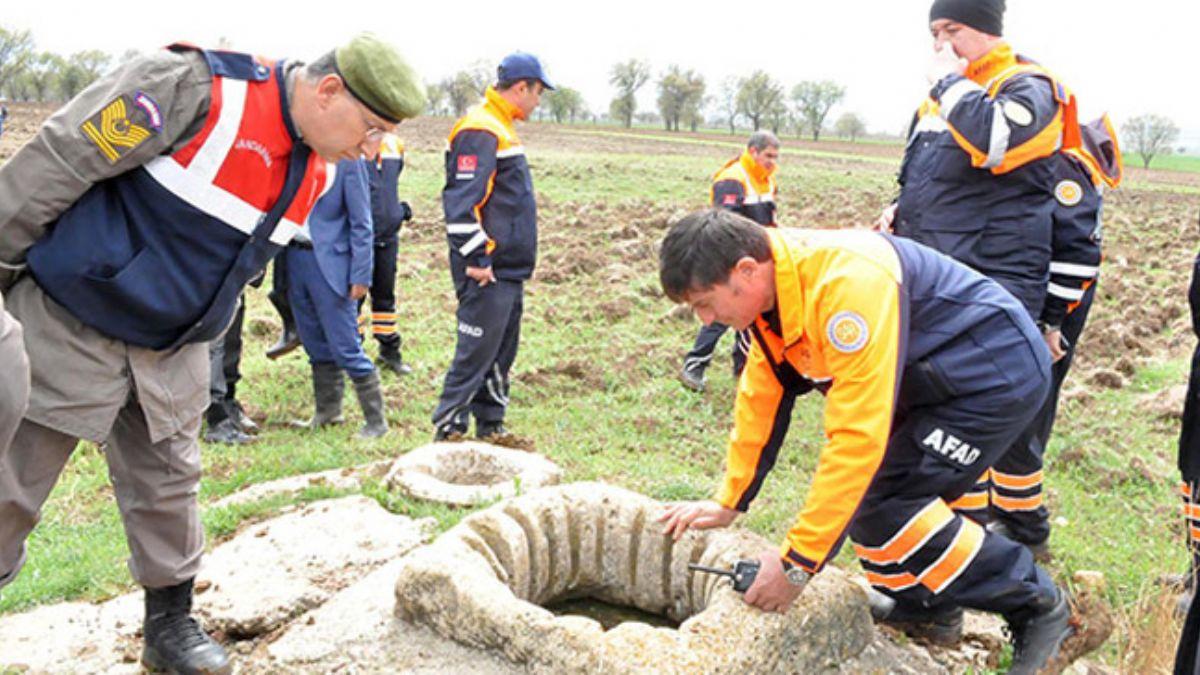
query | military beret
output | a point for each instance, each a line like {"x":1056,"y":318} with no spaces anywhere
{"x":379,"y":77}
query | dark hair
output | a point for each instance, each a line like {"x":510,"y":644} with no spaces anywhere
{"x":701,"y":250}
{"x":505,"y":85}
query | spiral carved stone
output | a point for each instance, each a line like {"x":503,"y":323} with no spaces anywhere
{"x":483,"y":583}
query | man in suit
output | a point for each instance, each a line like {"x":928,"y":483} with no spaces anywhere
{"x":329,"y":270}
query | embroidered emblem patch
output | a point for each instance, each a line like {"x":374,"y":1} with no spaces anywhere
{"x":468,"y":163}
{"x":153,"y":114}
{"x":114,"y":130}
{"x":1068,"y":193}
{"x":847,"y":331}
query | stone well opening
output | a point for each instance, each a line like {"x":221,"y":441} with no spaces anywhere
{"x":469,"y":473}
{"x":580,"y":578}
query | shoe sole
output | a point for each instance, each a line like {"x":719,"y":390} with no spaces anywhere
{"x":154,"y":663}
{"x":942,"y":635}
{"x":282,"y":352}
{"x":691,"y":384}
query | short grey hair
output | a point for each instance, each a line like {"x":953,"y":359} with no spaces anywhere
{"x":326,"y":64}
{"x":761,"y":140}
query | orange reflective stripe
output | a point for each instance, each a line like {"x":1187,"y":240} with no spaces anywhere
{"x":1045,"y":143}
{"x":1016,"y":503}
{"x":1186,"y":490}
{"x":1014,"y":482}
{"x":895,"y":582}
{"x":978,"y":157}
{"x":383,"y":330}
{"x":1192,"y":511}
{"x":928,"y":522}
{"x":955,"y":560}
{"x":1195,"y":531}
{"x":383,"y":316}
{"x":972,"y":501}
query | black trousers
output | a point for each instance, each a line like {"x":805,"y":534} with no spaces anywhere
{"x":1016,"y":480}
{"x":489,"y":332}
{"x":383,"y":294}
{"x":706,"y":343}
{"x":225,"y":357}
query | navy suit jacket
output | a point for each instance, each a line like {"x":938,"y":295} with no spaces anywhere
{"x":341,"y":229}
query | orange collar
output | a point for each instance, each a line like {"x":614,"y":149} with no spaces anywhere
{"x":1001,"y":58}
{"x":506,"y":112}
{"x":758,"y":175}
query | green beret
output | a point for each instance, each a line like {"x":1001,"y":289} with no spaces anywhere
{"x":375,"y":74}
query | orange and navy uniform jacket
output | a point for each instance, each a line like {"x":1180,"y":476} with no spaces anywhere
{"x":978,"y":176}
{"x":1085,"y":173}
{"x":488,"y":200}
{"x":853,"y":310}
{"x":387,"y":212}
{"x":744,"y":187}
{"x":158,"y":256}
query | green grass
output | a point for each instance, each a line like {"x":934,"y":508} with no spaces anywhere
{"x":1189,"y":163}
{"x":594,"y":381}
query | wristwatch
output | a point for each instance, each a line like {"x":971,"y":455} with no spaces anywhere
{"x":796,"y":576}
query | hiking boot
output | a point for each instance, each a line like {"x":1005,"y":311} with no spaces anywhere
{"x":389,"y":357}
{"x":370,"y":398}
{"x":942,"y":626}
{"x":328,"y":389}
{"x":286,"y":343}
{"x":496,"y":434}
{"x":240,"y":418}
{"x":449,"y":433}
{"x":1038,"y":633}
{"x":1040,"y":550}
{"x":174,"y":641}
{"x":228,"y":433}
{"x":693,"y":377}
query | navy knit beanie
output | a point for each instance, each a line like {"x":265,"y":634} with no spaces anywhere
{"x":985,"y":16}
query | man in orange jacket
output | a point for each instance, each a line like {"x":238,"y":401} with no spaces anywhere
{"x":929,"y":371}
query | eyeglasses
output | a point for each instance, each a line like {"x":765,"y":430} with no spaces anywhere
{"x":374,"y":133}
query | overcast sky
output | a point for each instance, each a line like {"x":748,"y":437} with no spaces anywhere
{"x":1127,"y":58}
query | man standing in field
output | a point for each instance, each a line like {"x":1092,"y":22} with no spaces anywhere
{"x":491,"y":225}
{"x":388,"y":214}
{"x":981,"y":181}
{"x":746,"y":186}
{"x":129,"y":226}
{"x":929,"y":370}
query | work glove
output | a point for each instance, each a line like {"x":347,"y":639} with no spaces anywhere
{"x":407,"y":211}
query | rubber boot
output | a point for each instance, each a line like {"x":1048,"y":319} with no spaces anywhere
{"x":370,"y":397}
{"x":328,"y":389}
{"x":290,"y":339}
{"x":174,"y":641}
{"x":1038,"y":633}
{"x":942,"y":626}
{"x":389,"y":357}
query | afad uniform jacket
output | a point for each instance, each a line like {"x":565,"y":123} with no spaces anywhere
{"x":854,"y":310}
{"x":491,"y":213}
{"x":979,"y":173}
{"x":744,"y":187}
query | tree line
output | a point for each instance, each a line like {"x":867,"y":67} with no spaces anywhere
{"x":28,"y":74}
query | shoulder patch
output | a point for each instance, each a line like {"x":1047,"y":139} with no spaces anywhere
{"x":729,"y":200}
{"x":1068,"y":192}
{"x":122,"y":125}
{"x":1018,"y":114}
{"x":847,"y":331}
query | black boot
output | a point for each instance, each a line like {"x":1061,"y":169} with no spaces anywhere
{"x":290,"y":338}
{"x":328,"y":389}
{"x":1038,"y":633}
{"x":226,"y":432}
{"x":1039,"y":549}
{"x":389,"y":357}
{"x":174,"y":641}
{"x":693,"y":377}
{"x":370,"y":397}
{"x":238,"y":414}
{"x":941,"y":626}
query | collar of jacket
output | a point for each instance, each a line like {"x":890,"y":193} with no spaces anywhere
{"x":982,"y":70}
{"x":788,"y":298}
{"x":758,"y":175}
{"x":500,"y":107}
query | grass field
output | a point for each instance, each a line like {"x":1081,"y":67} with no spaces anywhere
{"x":595,"y":384}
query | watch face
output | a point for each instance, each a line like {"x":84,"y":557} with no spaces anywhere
{"x":797,"y":576}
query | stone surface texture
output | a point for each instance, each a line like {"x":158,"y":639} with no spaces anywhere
{"x":483,"y":584}
{"x":350,"y":478}
{"x":469,"y":473}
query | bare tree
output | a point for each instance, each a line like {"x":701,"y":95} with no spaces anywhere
{"x":757,"y":96}
{"x":564,"y":103}
{"x":435,"y":94}
{"x":813,"y":101}
{"x":850,"y":125}
{"x":628,"y":77}
{"x":1150,"y":135}
{"x":16,"y":48}
{"x":680,"y":96}
{"x":729,"y":101}
{"x":81,"y":70}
